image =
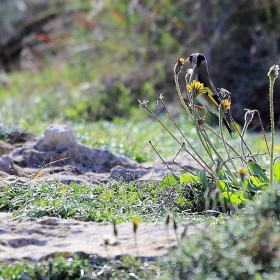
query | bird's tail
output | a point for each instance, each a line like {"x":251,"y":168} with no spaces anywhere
{"x":227,"y":125}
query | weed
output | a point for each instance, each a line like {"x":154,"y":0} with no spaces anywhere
{"x":221,"y":177}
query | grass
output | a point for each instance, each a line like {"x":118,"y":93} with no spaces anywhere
{"x":245,"y":246}
{"x":75,"y":268}
{"x":114,"y":201}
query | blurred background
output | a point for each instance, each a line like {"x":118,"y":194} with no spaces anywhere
{"x":82,"y":60}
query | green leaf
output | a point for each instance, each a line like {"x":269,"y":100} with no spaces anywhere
{"x":236,"y":198}
{"x":42,"y":202}
{"x":203,"y":178}
{"x":248,"y":185}
{"x":170,"y":180}
{"x":223,"y":186}
{"x":189,"y":178}
{"x":226,"y":177}
{"x":181,"y":201}
{"x":240,"y":194}
{"x":255,"y":169}
{"x":257,"y":182}
{"x":276,"y":170}
{"x":257,"y":276}
{"x":223,"y":174}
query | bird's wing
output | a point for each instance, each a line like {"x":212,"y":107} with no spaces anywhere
{"x":214,"y":98}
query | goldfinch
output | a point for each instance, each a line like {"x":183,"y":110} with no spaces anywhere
{"x":210,"y":100}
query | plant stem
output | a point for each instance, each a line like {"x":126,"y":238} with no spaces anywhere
{"x":221,"y":113}
{"x":273,"y":74}
{"x":271,"y":82}
{"x":193,"y":149}
{"x":191,"y":116}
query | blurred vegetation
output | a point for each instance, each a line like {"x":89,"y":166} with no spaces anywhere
{"x":90,"y":60}
{"x":244,"y":246}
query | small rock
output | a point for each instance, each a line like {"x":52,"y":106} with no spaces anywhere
{"x":5,"y":148}
{"x":58,"y":138}
{"x":121,"y":173}
{"x":6,"y":164}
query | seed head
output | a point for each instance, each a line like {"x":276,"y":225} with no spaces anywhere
{"x":273,"y":72}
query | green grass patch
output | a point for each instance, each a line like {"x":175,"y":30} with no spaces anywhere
{"x":118,"y":201}
{"x":78,"y":268}
{"x":245,"y":246}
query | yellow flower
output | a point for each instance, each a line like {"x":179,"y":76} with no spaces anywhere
{"x":196,"y":88}
{"x":135,"y":224}
{"x":179,"y":65}
{"x":225,"y":104}
{"x":277,"y":147}
{"x":242,"y":172}
{"x":181,"y":61}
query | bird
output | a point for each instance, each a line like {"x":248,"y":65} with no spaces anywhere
{"x":210,"y":100}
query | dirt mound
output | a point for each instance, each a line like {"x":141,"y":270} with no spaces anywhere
{"x":59,"y":156}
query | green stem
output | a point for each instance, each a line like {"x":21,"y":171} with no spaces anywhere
{"x":215,"y":133}
{"x":271,"y":83}
{"x":272,"y":74}
{"x":220,"y":158}
{"x":193,"y":149}
{"x":190,"y":115}
{"x":230,"y":159}
{"x":221,"y":113}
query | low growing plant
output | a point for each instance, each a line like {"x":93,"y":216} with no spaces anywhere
{"x":244,"y":247}
{"x":118,"y":201}
{"x":78,"y":268}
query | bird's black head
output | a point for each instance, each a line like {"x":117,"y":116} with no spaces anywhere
{"x":195,"y":59}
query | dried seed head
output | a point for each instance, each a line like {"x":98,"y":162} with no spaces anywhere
{"x":115,"y":229}
{"x":273,"y":72}
{"x":167,"y":220}
{"x":143,"y":103}
{"x":175,"y":225}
